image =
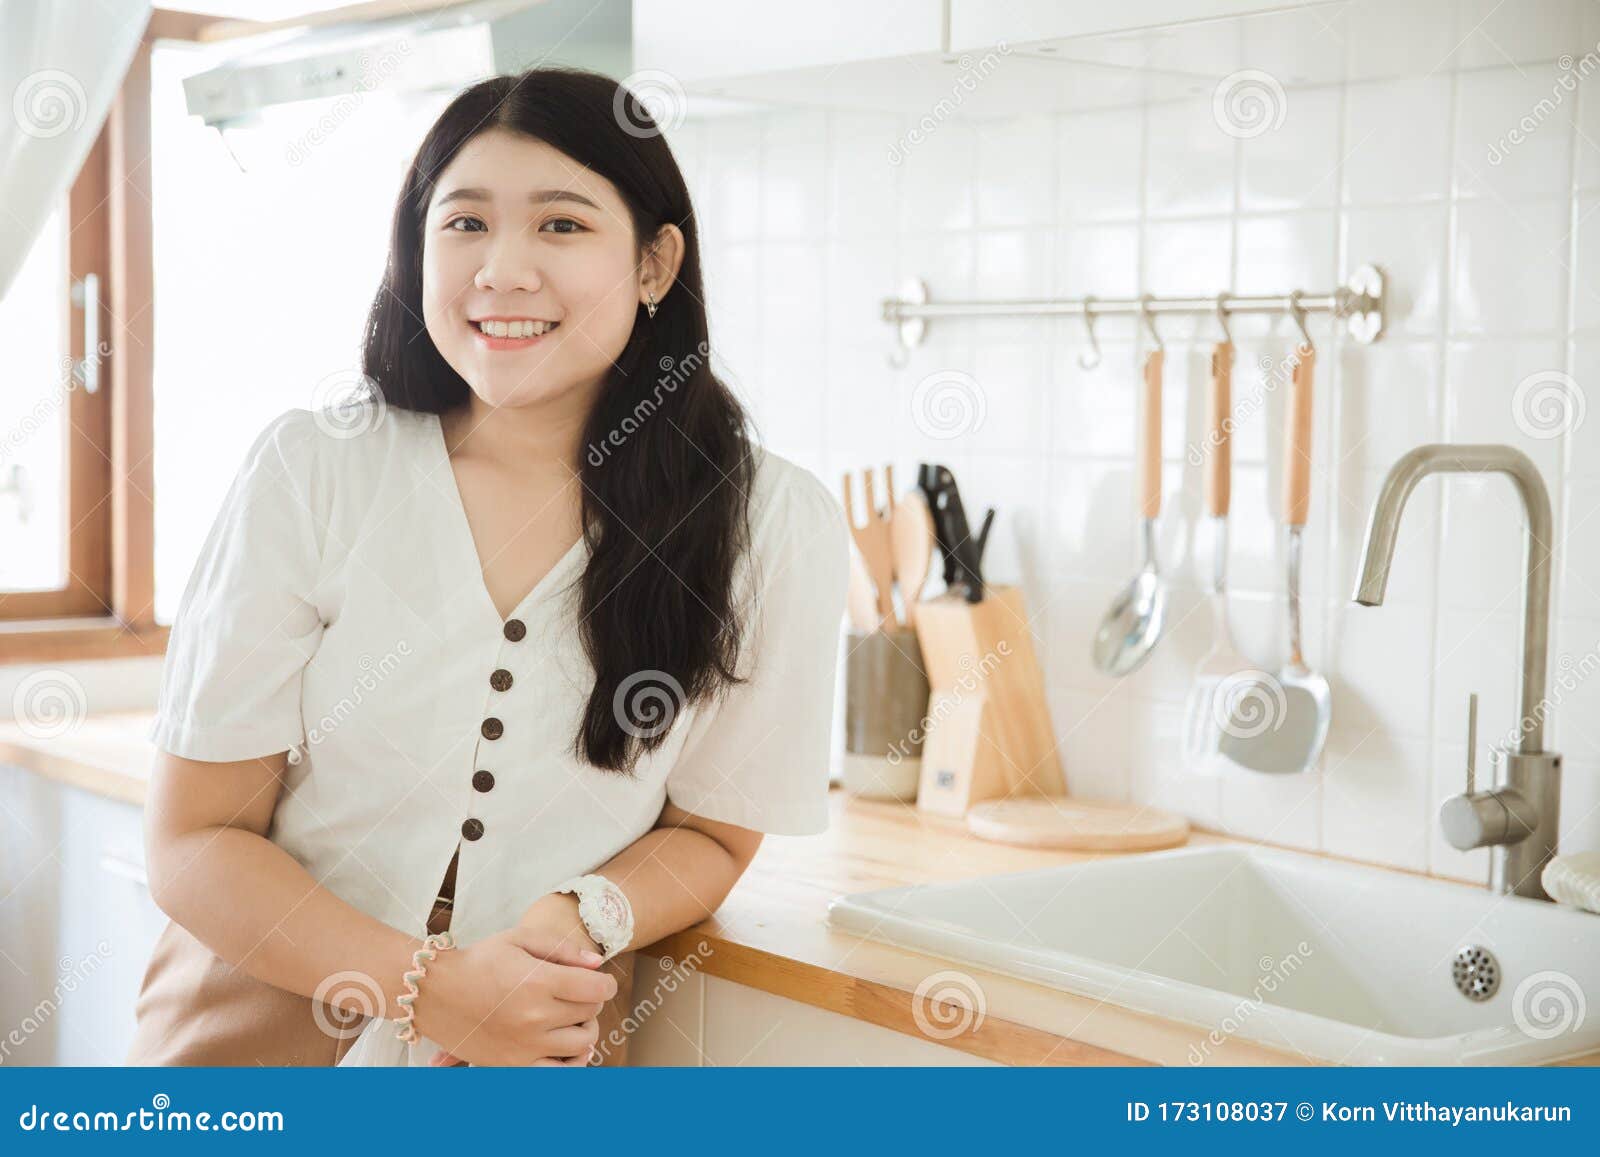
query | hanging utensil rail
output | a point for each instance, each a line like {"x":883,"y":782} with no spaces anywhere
{"x":1359,"y":302}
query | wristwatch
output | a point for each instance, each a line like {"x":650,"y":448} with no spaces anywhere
{"x":604,"y":910}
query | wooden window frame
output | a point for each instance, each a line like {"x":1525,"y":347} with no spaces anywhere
{"x":106,"y":609}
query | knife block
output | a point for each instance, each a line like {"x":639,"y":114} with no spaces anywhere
{"x":988,"y":732}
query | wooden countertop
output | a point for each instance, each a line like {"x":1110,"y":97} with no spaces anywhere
{"x":772,"y":932}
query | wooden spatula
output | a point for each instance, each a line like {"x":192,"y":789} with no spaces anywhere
{"x":911,"y":539}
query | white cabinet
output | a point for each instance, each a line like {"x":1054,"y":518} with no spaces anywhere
{"x":705,"y":1020}
{"x":76,"y":921}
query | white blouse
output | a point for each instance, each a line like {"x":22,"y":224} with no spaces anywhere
{"x":338,"y":612}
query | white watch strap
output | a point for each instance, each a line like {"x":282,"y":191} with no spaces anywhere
{"x":604,"y":910}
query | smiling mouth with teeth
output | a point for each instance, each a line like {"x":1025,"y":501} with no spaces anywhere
{"x":514,"y":329}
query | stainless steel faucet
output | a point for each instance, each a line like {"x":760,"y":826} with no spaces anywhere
{"x":1519,"y":819}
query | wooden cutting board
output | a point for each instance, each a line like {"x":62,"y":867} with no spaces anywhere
{"x":1078,"y":825}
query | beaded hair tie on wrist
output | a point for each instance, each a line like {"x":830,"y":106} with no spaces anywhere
{"x":431,"y":947}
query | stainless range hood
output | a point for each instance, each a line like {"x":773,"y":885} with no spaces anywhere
{"x":446,"y":49}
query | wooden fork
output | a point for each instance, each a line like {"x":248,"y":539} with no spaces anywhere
{"x":872,"y":540}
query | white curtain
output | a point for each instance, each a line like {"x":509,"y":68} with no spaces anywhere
{"x":61,"y":63}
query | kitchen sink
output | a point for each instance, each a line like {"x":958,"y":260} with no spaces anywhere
{"x":1322,"y":959}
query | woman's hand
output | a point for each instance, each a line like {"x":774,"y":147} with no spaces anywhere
{"x":519,"y":997}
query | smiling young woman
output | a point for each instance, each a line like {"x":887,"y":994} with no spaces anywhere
{"x":443,"y":667}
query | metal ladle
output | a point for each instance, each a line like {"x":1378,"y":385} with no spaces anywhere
{"x":1138,"y":614}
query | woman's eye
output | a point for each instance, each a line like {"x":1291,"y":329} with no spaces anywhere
{"x":463,"y":221}
{"x":576,"y":228}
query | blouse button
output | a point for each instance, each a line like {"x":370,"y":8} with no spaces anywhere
{"x":493,"y":728}
{"x":515,"y":630}
{"x":501,"y":680}
{"x":472,"y":829}
{"x":483,"y":780}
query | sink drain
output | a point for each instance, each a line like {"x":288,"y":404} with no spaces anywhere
{"x":1476,"y":972}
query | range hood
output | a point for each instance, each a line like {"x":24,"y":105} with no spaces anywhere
{"x":448,"y":49}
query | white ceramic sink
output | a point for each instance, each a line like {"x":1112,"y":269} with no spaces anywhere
{"x":1319,"y":958}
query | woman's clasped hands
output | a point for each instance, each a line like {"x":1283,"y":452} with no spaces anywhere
{"x":523,"y":996}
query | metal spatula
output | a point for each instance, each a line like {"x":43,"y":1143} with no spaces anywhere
{"x":1280,"y":725}
{"x":1207,"y":707}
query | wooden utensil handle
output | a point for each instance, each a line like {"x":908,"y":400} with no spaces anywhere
{"x":1297,"y":440}
{"x":1219,"y":454}
{"x":1150,"y":437}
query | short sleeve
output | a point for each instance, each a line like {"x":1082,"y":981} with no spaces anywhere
{"x":246,"y":626}
{"x":758,"y":755}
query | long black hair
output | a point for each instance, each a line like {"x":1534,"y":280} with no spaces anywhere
{"x":668,"y":463}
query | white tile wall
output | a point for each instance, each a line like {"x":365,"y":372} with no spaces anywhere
{"x":1495,"y":268}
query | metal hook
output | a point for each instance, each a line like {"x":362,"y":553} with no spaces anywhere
{"x":1222,"y":318}
{"x":1089,"y":362}
{"x":1150,"y":322}
{"x":1298,"y":312}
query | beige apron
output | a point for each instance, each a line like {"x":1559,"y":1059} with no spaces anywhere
{"x":195,"y":1008}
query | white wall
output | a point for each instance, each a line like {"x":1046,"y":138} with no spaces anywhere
{"x":1495,"y":277}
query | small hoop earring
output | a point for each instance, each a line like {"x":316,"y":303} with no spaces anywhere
{"x":651,"y":307}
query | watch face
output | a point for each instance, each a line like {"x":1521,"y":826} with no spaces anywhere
{"x":613,"y":908}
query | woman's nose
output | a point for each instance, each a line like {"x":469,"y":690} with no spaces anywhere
{"x":508,"y":267}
